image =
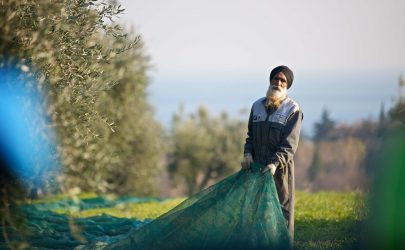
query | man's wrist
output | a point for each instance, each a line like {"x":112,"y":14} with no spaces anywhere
{"x":247,"y":160}
{"x":248,"y":156}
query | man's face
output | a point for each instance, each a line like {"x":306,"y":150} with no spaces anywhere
{"x":278,"y":87}
{"x":279,"y":82}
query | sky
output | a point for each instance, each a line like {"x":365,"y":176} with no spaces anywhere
{"x":219,"y":53}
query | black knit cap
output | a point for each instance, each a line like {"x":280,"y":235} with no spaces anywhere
{"x":286,"y":71}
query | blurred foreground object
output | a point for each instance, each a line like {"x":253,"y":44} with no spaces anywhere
{"x":26,"y":140}
{"x":28,"y":162}
{"x":385,"y":228}
{"x":386,"y":225}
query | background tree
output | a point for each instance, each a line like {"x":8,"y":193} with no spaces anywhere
{"x":316,"y":165}
{"x":323,"y":126}
{"x":205,"y":148}
{"x":397,"y":112}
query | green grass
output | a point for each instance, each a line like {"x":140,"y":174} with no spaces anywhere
{"x":329,"y":220}
{"x":141,"y":211}
{"x":324,"y":220}
{"x":59,"y":197}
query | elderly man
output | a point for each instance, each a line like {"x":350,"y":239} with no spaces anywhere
{"x":272,"y":138}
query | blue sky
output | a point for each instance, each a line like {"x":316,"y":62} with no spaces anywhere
{"x":343,"y":52}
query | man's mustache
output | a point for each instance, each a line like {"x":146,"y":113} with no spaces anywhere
{"x":273,"y":90}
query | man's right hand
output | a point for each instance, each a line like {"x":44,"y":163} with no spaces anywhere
{"x":247,"y":161}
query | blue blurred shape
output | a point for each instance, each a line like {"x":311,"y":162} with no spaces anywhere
{"x":26,"y":141}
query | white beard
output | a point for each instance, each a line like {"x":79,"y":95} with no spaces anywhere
{"x":275,"y":97}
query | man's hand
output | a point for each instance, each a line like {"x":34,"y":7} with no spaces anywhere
{"x":247,"y":161}
{"x":271,"y":167}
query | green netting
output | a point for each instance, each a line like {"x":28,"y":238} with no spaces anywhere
{"x":239,"y":212}
{"x":48,"y":230}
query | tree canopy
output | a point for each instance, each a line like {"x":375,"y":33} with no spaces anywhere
{"x":205,"y":148}
{"x":93,"y":76}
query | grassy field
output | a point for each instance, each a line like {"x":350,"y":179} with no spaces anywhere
{"x":329,"y":220}
{"x":323,"y":220}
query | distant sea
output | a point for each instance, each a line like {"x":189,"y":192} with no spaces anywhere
{"x":349,"y":96}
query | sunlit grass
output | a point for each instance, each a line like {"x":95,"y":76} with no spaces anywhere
{"x":329,"y":220}
{"x":141,"y":211}
{"x":59,"y":197}
{"x":330,"y":205}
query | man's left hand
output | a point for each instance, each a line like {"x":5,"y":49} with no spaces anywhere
{"x":271,"y":167}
